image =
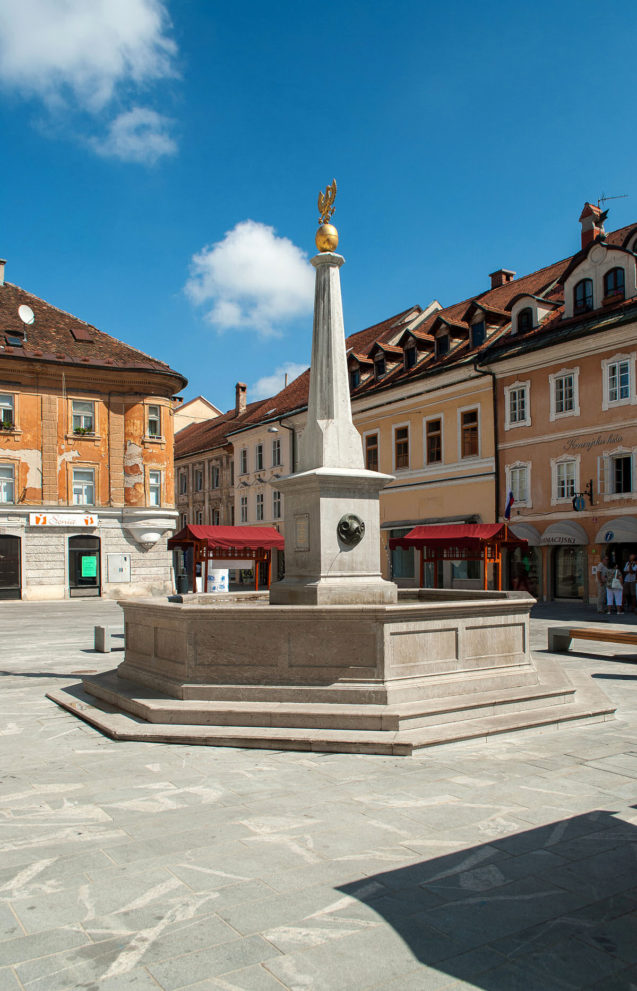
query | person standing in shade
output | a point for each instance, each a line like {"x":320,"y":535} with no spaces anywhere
{"x":602,"y":572}
{"x":614,"y":589}
{"x":630,"y":584}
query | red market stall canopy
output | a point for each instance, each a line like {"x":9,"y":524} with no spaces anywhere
{"x":228,"y":543}
{"x":460,"y":542}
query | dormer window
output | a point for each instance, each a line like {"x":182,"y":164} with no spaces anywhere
{"x":442,"y":345}
{"x":614,"y":283}
{"x":525,"y":320}
{"x":478,"y":333}
{"x":354,"y":378}
{"x":583,"y":296}
{"x":379,"y":366}
{"x":410,"y":356}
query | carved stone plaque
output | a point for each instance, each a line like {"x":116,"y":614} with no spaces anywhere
{"x":302,"y":532}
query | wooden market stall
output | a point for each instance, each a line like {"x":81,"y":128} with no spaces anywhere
{"x":228,"y":543}
{"x":460,"y":542}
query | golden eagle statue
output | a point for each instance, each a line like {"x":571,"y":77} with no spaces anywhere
{"x":326,"y":203}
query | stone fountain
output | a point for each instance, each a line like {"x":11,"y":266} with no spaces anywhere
{"x":338,"y":659}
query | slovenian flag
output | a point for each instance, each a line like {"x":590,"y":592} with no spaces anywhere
{"x":509,"y":506}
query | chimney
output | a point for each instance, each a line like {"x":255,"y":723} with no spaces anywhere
{"x":2,"y":264}
{"x":240,"y":397}
{"x":501,"y":277}
{"x":592,"y":221}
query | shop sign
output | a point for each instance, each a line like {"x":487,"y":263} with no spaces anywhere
{"x":588,"y":443}
{"x":89,"y":566}
{"x":557,"y":539}
{"x":63,"y":519}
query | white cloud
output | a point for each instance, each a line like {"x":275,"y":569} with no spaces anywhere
{"x":252,"y":280}
{"x":137,"y":135}
{"x":80,"y":52}
{"x":270,"y":385}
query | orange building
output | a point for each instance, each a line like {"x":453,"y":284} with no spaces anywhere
{"x":86,"y":457}
{"x":566,"y":415}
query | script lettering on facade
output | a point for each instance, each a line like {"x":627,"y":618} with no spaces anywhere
{"x":302,"y":532}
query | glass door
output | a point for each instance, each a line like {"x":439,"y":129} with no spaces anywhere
{"x":84,"y":566}
{"x":10,"y":572}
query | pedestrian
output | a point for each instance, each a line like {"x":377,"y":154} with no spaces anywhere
{"x":602,"y":571}
{"x":630,"y":583}
{"x":614,"y":589}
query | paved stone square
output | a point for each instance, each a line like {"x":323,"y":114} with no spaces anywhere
{"x":497,"y":866}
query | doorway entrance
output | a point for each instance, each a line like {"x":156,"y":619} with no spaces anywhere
{"x":10,"y":570}
{"x":84,"y":566}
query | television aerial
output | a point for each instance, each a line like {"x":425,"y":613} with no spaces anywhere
{"x":26,"y":314}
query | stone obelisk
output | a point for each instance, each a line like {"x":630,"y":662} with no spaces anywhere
{"x":332,"y":528}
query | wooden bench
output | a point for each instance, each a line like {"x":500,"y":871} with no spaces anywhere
{"x":560,"y":636}
{"x":103,"y":643}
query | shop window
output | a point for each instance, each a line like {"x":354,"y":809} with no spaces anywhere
{"x":83,"y":486}
{"x":401,"y":447}
{"x":614,"y":284}
{"x":243,"y":461}
{"x":403,"y":561}
{"x":583,"y":296}
{"x":259,"y":506}
{"x":276,"y":505}
{"x":469,"y":433}
{"x":276,"y":452}
{"x":7,"y":483}
{"x":154,"y":421}
{"x":154,"y":488}
{"x":243,"y":509}
{"x":7,"y":412}
{"x":433,"y":441}
{"x":83,"y":416}
{"x":466,"y":570}
{"x":569,"y":569}
{"x":525,"y":570}
{"x":371,"y":452}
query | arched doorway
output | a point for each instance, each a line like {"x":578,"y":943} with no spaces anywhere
{"x":10,"y":570}
{"x":84,"y":566}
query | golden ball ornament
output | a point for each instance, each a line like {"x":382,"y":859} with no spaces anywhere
{"x":327,"y":238}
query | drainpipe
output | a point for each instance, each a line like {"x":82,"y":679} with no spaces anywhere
{"x":494,"y":393}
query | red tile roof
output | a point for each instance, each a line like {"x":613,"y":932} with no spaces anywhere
{"x":58,"y":337}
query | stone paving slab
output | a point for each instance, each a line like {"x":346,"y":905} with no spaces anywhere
{"x":141,"y":866}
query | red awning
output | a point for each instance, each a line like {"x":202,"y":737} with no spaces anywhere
{"x":469,"y":535}
{"x":229,"y":537}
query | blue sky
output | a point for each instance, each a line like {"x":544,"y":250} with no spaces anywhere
{"x":161,"y":160}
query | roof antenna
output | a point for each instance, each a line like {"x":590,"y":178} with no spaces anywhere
{"x":604,"y":198}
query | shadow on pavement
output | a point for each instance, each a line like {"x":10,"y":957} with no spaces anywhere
{"x":552,"y":907}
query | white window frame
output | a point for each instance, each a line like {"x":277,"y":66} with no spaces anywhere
{"x":276,"y":452}
{"x":608,"y":458}
{"x":433,"y":465}
{"x":553,"y":379}
{"x":243,"y":509}
{"x":7,"y":483}
{"x":81,"y":414}
{"x":575,"y":461}
{"x":243,"y":461}
{"x":396,"y":427}
{"x":85,"y":483}
{"x":631,"y":399}
{"x":8,"y":403}
{"x":510,"y":424}
{"x":276,"y":505}
{"x":509,"y":471}
{"x":155,"y":418}
{"x":154,"y":487}
{"x":260,"y":507}
{"x":469,"y":409}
